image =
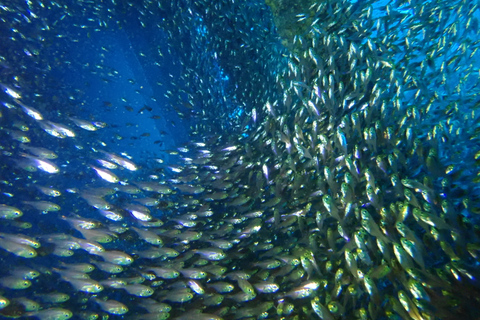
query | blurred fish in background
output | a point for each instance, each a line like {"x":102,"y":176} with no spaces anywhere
{"x":239,"y":160}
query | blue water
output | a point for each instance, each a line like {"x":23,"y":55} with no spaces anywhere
{"x":161,"y":77}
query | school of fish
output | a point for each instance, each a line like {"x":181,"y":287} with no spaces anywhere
{"x":332,"y":169}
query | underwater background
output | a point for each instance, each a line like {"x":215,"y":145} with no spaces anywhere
{"x":227,"y":159}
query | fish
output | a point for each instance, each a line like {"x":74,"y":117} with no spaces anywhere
{"x":18,"y":249}
{"x":287,"y":160}
{"x":51,"y":314}
{"x":9,"y":212}
{"x":112,"y":306}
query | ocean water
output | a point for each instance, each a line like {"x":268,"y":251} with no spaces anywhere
{"x":286,"y":159}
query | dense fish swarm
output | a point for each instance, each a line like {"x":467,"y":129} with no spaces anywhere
{"x":331,"y":170}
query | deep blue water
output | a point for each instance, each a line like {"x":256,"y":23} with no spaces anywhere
{"x":162,"y":76}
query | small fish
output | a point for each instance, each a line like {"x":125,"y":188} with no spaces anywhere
{"x":266,"y":287}
{"x":30,"y":111}
{"x":139,"y":290}
{"x":195,"y":286}
{"x":86,"y":285}
{"x":8,"y":212}
{"x":28,"y":304}
{"x":18,"y":249}
{"x":15,"y":283}
{"x":179,"y":296}
{"x":112,"y":306}
{"x":109,"y":267}
{"x":21,"y":239}
{"x":222,"y":287}
{"x":54,"y":297}
{"x":116,"y":257}
{"x":43,"y":206}
{"x":57,"y":130}
{"x":211,"y":253}
{"x":42,"y":164}
{"x":86,"y":125}
{"x":49,"y":191}
{"x":193,"y":273}
{"x":105,"y":174}
{"x":149,"y":236}
{"x":51,"y":314}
